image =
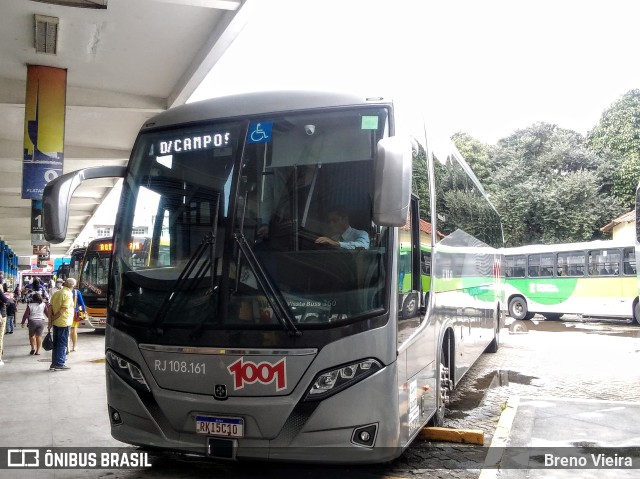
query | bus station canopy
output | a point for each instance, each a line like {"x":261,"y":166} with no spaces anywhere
{"x":126,"y":61}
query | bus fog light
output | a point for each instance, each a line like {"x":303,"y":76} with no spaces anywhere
{"x":365,"y":435}
{"x":114,"y":416}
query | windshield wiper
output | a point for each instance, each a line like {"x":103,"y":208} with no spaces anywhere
{"x":208,"y":243}
{"x":273,"y":296}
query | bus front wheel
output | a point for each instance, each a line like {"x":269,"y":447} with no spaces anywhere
{"x":494,"y":345}
{"x":636,"y":313}
{"x":518,"y":308}
{"x":446,"y":387}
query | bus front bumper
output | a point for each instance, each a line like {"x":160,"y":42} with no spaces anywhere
{"x":97,"y":322}
{"x":132,"y":423}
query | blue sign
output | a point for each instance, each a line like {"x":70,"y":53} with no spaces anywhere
{"x":260,"y":132}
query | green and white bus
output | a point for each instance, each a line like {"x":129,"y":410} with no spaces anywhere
{"x":596,"y":278}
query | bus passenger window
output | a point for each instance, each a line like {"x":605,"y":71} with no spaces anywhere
{"x":534,"y":266}
{"x":629,"y":261}
{"x":546,"y":265}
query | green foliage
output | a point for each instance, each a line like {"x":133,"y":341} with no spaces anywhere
{"x":548,"y":186}
{"x":617,"y":135}
{"x":420,"y":184}
{"x":477,"y":154}
{"x":625,"y":179}
{"x":619,"y":126}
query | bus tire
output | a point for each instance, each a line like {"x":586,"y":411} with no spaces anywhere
{"x":636,"y":313}
{"x":446,"y":384}
{"x":552,"y":316}
{"x":410,"y":306}
{"x":518,"y":308}
{"x":494,"y":345}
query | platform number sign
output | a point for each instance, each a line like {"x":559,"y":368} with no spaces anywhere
{"x":42,"y":250}
{"x":36,"y":217}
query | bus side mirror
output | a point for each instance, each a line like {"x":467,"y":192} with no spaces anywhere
{"x":57,"y":198}
{"x":392,"y":181}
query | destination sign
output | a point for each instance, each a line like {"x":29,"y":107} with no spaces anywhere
{"x":187,"y":143}
{"x":108,"y":247}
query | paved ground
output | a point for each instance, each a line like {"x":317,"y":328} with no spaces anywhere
{"x":573,"y":359}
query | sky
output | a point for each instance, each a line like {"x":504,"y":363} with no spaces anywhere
{"x":486,"y":67}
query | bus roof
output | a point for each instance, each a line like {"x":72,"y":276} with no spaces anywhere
{"x":552,"y":248}
{"x":257,"y":103}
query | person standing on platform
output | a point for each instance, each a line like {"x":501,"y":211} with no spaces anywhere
{"x":3,"y":321}
{"x":11,"y":316}
{"x":63,"y":271}
{"x":37,"y":313}
{"x":79,"y":310}
{"x":61,"y":320}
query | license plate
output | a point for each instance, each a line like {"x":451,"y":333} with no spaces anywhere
{"x":103,"y":320}
{"x":220,"y":426}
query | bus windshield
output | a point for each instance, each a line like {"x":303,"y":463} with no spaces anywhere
{"x":95,"y":273}
{"x":259,"y":223}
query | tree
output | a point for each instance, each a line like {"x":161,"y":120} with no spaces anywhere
{"x":572,"y":208}
{"x":617,"y":135}
{"x":546,"y":184}
{"x":477,"y":154}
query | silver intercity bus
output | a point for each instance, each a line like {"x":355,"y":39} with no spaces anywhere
{"x":266,"y":322}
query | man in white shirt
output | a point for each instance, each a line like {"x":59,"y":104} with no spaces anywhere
{"x":342,"y":234}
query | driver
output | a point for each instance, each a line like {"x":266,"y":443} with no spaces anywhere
{"x":342,"y":234}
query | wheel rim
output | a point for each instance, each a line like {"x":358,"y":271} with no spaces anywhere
{"x":518,"y":309}
{"x":411,"y":306}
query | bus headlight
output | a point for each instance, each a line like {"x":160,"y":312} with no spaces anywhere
{"x":335,"y":380}
{"x":127,"y":370}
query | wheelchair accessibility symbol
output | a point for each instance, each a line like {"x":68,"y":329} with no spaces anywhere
{"x":260,"y":132}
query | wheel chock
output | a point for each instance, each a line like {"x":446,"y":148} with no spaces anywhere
{"x":445,"y":434}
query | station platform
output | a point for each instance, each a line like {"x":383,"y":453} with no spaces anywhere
{"x":565,"y":438}
{"x":42,"y":408}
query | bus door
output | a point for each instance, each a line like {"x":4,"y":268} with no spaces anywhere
{"x":416,"y":334}
{"x":569,"y":291}
{"x":605,"y":293}
{"x":629,"y":281}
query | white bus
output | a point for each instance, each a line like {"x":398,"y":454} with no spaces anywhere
{"x":595,"y":278}
{"x":247,"y":339}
